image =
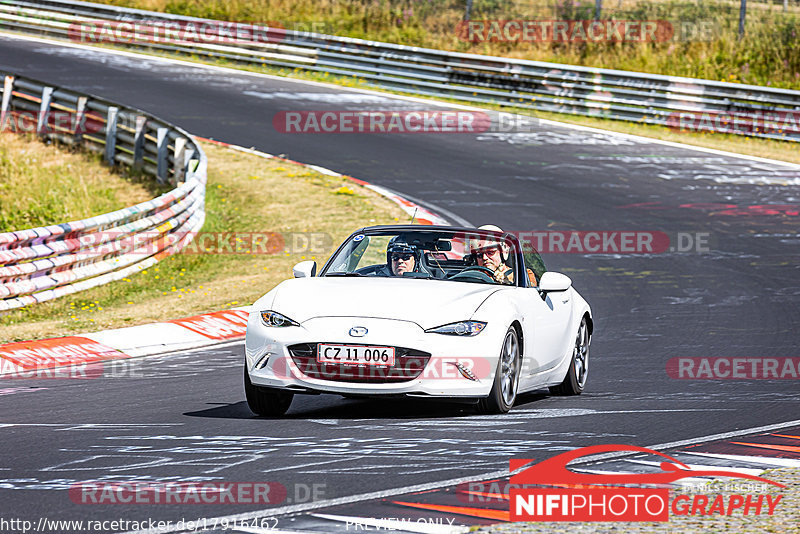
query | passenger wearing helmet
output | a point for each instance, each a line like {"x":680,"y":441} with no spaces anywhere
{"x":401,"y":257}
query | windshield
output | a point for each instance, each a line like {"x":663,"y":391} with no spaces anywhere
{"x":478,"y":257}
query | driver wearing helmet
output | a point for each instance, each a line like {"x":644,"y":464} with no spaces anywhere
{"x":490,"y":255}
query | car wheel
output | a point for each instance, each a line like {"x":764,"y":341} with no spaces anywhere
{"x":263,"y":401}
{"x":575,"y":380}
{"x":506,"y":378}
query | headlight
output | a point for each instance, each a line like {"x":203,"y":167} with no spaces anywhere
{"x":462,"y":328}
{"x":272,"y":318}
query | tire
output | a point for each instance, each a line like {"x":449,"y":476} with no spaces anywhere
{"x":263,"y":401}
{"x":506,"y":377}
{"x":575,"y":380}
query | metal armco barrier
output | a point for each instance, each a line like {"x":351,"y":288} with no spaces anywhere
{"x":41,"y":264}
{"x":704,"y":105}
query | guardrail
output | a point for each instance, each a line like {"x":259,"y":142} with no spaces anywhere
{"x":44,"y":263}
{"x":705,"y":105}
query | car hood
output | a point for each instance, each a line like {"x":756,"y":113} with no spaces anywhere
{"x":428,"y":303}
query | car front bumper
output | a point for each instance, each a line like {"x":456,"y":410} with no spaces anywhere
{"x":270,"y":363}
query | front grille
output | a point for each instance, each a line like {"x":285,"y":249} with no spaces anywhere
{"x":408,"y":365}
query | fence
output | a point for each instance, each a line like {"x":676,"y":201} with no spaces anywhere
{"x":41,"y":264}
{"x":639,"y":97}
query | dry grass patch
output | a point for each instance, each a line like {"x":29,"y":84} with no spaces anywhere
{"x":41,"y":185}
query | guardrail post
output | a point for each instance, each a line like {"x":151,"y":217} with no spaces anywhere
{"x":138,"y":142}
{"x":44,"y":111}
{"x":111,"y":134}
{"x":742,"y":15}
{"x":80,"y":119}
{"x":8,"y":87}
{"x":162,"y":145}
{"x":178,"y":163}
{"x":187,"y":163}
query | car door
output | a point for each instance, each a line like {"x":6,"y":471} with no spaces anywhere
{"x":547,"y":320}
{"x":547,"y":328}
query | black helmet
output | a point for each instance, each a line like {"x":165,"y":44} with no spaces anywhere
{"x":398,"y":245}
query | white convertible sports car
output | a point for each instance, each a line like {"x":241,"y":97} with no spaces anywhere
{"x":419,"y":311}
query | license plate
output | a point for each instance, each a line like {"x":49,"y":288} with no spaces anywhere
{"x":355,"y":355}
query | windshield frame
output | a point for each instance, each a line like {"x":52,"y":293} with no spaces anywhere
{"x":510,"y":238}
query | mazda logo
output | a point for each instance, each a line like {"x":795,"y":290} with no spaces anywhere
{"x":358,"y":331}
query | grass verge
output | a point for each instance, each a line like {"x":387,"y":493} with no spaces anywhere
{"x":42,"y":185}
{"x":245,"y":193}
{"x":703,"y":41}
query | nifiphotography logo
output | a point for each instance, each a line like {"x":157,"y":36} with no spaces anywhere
{"x":575,"y":496}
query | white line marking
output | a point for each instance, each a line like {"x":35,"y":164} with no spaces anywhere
{"x":699,"y":467}
{"x":690,"y":481}
{"x":399,"y":97}
{"x":391,"y":524}
{"x":454,"y":481}
{"x":312,"y":464}
{"x":213,"y":346}
{"x":766,"y":460}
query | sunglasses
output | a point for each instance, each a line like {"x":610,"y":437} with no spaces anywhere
{"x":491,"y":251}
{"x":402,"y":257}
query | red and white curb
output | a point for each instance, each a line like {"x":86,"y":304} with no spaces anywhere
{"x":17,"y":359}
{"x":31,"y":358}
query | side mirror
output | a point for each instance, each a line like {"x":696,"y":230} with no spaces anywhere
{"x":305,"y":269}
{"x":552,"y":281}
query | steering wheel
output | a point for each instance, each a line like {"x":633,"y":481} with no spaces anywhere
{"x":479,"y":269}
{"x":475,"y":272}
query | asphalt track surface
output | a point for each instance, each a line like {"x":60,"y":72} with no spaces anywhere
{"x":183,"y":417}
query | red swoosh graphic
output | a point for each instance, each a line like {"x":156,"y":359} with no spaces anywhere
{"x":553,"y":471}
